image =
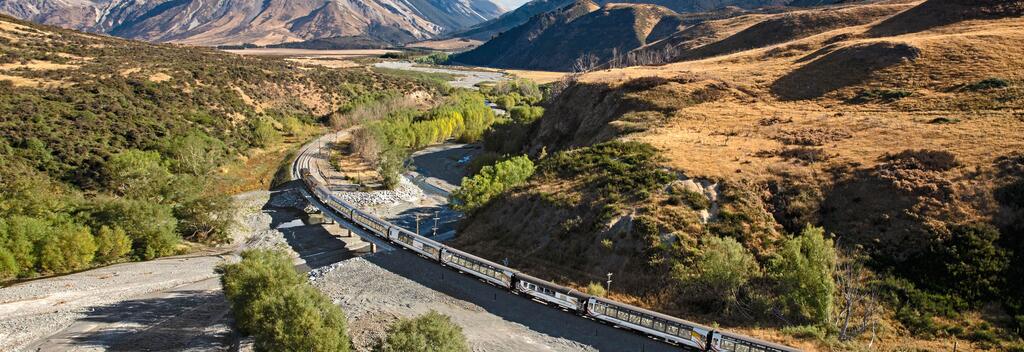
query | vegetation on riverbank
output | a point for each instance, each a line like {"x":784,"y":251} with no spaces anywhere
{"x":96,"y":153}
{"x":279,"y":308}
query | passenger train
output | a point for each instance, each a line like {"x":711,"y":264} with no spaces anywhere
{"x":653,"y":324}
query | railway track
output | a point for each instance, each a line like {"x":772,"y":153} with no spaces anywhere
{"x":672,"y":330}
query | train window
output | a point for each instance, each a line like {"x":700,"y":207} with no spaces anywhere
{"x":672,"y":329}
{"x":658,"y":325}
{"x":599,"y":308}
{"x":742,"y":348}
{"x":728,"y":345}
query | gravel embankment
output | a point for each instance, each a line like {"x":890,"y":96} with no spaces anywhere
{"x":377,"y":290}
{"x":405,"y":192}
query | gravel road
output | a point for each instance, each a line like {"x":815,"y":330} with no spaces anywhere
{"x":167,"y":304}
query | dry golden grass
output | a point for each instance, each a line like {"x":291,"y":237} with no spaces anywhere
{"x":726,"y":138}
{"x":454,"y":44}
{"x":541,"y":77}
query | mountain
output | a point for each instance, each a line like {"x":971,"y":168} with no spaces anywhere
{"x":266,"y":22}
{"x":523,"y":14}
{"x":554,"y":40}
{"x":656,"y":34}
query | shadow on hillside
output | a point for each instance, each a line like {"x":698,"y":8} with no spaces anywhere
{"x":196,"y":320}
{"x":938,"y":13}
{"x":841,"y":68}
{"x":517,"y":309}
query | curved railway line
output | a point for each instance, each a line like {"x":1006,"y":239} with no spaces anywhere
{"x":662,"y":327}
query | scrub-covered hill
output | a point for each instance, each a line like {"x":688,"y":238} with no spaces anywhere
{"x":899,"y":135}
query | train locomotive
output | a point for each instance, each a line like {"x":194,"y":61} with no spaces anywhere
{"x":659,"y":326}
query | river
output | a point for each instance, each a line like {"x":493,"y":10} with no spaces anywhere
{"x":464,"y":78}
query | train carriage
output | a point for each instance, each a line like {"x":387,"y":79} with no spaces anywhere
{"x":550,"y":293}
{"x":728,"y":342}
{"x":669,"y":328}
{"x":419,"y":244}
{"x":370,"y":222}
{"x":479,"y":267}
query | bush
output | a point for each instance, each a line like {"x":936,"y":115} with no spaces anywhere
{"x":526,"y":114}
{"x":596,"y":289}
{"x":112,"y":244}
{"x":989,"y":83}
{"x":259,"y":273}
{"x":138,"y":174}
{"x":880,"y":95}
{"x":151,"y":226}
{"x":970,"y":255}
{"x":491,"y":182}
{"x":299,"y":318}
{"x":614,"y":169}
{"x":694,"y":200}
{"x":914,"y":308}
{"x":803,"y":270}
{"x":805,"y":332}
{"x":207,"y":219}
{"x":262,"y":133}
{"x":719,"y":270}
{"x":431,"y":332}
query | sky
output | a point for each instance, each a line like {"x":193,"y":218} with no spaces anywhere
{"x":511,"y":4}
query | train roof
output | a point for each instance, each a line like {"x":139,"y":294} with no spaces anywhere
{"x":758,"y":341}
{"x":652,"y":313}
{"x":488,"y":262}
{"x":570,"y":291}
{"x":419,"y":237}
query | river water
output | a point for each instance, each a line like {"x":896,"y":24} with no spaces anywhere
{"x":464,"y":78}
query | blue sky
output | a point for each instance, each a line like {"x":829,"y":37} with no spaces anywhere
{"x":511,"y":4}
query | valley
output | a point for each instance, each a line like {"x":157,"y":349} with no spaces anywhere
{"x":820,"y":175}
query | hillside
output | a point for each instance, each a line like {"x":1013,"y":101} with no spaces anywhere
{"x":266,"y":22}
{"x":114,"y":150}
{"x":681,"y":37}
{"x":899,"y":132}
{"x":554,"y":40}
{"x":506,"y":22}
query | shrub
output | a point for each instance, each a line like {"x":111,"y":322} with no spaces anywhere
{"x":138,"y":174}
{"x":112,"y":244}
{"x":989,"y":83}
{"x":526,"y":114}
{"x":614,"y":169}
{"x":596,"y":289}
{"x":491,"y":182}
{"x":720,"y":269}
{"x":914,"y":308}
{"x":151,"y":226}
{"x":881,"y":95}
{"x":262,"y":133}
{"x":805,"y":332}
{"x":275,"y":304}
{"x":67,"y":247}
{"x":803,"y":270}
{"x":694,"y":200}
{"x":970,"y":255}
{"x":207,"y":219}
{"x":431,"y":332}
{"x":299,"y":318}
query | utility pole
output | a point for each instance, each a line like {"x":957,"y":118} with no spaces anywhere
{"x":436,"y":218}
{"x":417,"y":223}
{"x":609,"y":287}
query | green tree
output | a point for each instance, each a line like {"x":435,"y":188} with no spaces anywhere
{"x":112,"y":244}
{"x":259,"y":273}
{"x":491,"y":182}
{"x":151,"y":226}
{"x":721,"y":268}
{"x":20,"y":235}
{"x":207,"y":219}
{"x":804,"y":269}
{"x":138,"y":174}
{"x":431,"y":332}
{"x":526,"y":114}
{"x":67,"y":247}
{"x":970,"y":255}
{"x":263,"y":133}
{"x":195,"y":153}
{"x":299,"y":318}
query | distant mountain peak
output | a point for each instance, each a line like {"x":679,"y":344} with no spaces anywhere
{"x":260,"y":22}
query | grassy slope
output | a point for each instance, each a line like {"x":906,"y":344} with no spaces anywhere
{"x":777,"y":126}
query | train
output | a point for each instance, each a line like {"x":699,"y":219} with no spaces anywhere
{"x":675,"y":331}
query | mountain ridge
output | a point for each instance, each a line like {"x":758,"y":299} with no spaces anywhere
{"x":267,"y":22}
